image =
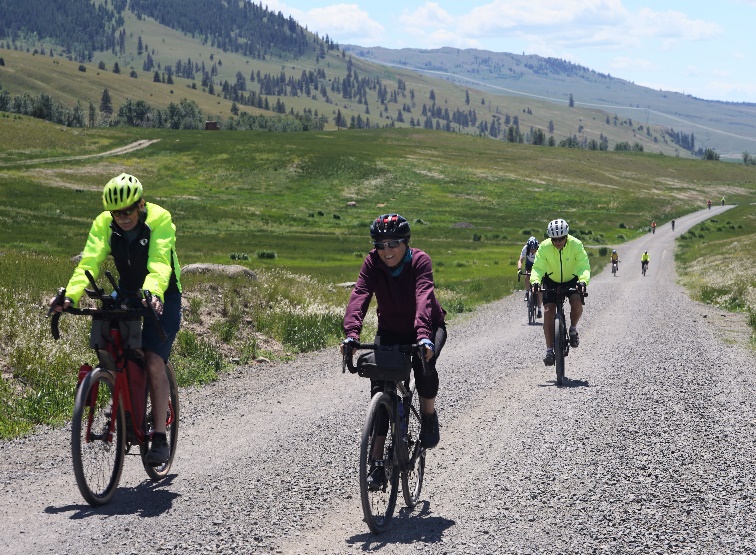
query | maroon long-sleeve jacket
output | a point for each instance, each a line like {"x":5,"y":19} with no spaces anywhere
{"x":407,"y":304}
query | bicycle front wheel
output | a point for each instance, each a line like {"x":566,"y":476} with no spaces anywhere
{"x":378,"y":502}
{"x":98,"y":438}
{"x":559,"y":346}
{"x":532,"y":309}
{"x":171,"y":427}
{"x":412,"y":477}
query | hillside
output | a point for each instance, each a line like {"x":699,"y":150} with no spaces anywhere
{"x":209,"y":53}
{"x":729,"y":128}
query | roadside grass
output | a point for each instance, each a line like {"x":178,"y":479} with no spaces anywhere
{"x":472,"y":204}
{"x":716,"y":262}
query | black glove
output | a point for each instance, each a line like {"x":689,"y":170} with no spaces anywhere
{"x":582,"y":288}
{"x":535,"y":287}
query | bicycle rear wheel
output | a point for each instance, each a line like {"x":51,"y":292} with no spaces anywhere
{"x":97,"y":454}
{"x":559,"y":346}
{"x":378,"y":506}
{"x":412,"y":478}
{"x":171,"y":427}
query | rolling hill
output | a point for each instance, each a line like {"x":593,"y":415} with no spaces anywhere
{"x":214,"y":61}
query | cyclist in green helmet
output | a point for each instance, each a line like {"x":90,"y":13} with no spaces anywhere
{"x":141,"y":238}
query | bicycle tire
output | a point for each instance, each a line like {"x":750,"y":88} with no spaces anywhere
{"x":532,"y":309}
{"x":559,"y":345}
{"x":171,"y":427}
{"x":378,"y":506}
{"x":97,"y":458}
{"x":412,"y":477}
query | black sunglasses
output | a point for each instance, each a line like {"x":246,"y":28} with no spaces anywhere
{"x":390,"y":244}
{"x":126,"y":212}
{"x":559,"y":239}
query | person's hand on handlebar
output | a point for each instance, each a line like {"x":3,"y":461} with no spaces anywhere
{"x":430,"y":348}
{"x":57,"y":306}
{"x":535,"y":287}
{"x":156,"y":304}
{"x":582,"y":288}
{"x":347,"y":346}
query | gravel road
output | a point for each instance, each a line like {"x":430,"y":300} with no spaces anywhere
{"x":648,"y":448}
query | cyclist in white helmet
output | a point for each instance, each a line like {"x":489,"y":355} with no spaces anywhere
{"x":527,"y":256}
{"x":561,"y":260}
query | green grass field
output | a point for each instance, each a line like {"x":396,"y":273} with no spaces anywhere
{"x":472,"y":203}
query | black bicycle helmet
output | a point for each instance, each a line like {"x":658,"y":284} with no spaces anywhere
{"x":389,"y":226}
{"x":532,"y":244}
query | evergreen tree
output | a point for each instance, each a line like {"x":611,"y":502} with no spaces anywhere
{"x":106,"y":104}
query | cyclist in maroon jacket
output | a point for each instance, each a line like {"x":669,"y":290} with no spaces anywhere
{"x":401,"y":278}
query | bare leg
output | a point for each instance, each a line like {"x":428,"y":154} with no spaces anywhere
{"x":160,"y":389}
{"x":549,"y":311}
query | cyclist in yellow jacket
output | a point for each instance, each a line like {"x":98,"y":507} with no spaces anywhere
{"x":644,"y":260}
{"x":141,"y":238}
{"x":561,"y":260}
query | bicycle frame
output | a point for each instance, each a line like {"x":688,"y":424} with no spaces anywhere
{"x":403,"y":455}
{"x":106,"y":425}
{"x":561,"y":330}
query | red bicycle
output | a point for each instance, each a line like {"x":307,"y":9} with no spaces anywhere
{"x":113,"y":408}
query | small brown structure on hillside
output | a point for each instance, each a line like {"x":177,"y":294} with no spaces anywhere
{"x":211,"y":126}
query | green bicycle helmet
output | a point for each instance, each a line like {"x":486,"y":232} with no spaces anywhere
{"x":121,"y":192}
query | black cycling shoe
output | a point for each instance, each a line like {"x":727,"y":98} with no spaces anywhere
{"x":159,"y":451}
{"x":376,"y":478}
{"x":574,"y":339}
{"x":539,"y":315}
{"x":429,"y":434}
{"x":548,"y":360}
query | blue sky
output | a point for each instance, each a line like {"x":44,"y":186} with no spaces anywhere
{"x":707,"y":49}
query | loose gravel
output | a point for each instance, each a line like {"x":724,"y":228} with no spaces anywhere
{"x":648,"y":447}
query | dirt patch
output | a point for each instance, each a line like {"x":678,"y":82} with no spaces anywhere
{"x":232,"y":270}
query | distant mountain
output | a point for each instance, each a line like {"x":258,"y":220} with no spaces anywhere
{"x":729,"y":128}
{"x":234,"y":60}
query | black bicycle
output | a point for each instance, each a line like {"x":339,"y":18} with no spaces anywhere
{"x":561,"y":329}
{"x":113,"y":406}
{"x":532,"y":300}
{"x":615,"y":267}
{"x":396,"y":409}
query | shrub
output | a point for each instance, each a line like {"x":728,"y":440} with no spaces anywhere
{"x":239,"y":256}
{"x":82,"y":68}
{"x":603,"y":251}
{"x":622,"y":225}
{"x":620,"y":236}
{"x":266,"y":254}
{"x":336,"y":217}
{"x":476,"y":237}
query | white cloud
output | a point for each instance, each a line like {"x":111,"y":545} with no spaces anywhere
{"x":345,"y":23}
{"x":573,"y":23}
{"x":636,"y":64}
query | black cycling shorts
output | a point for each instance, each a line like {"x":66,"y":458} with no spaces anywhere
{"x":548,"y":285}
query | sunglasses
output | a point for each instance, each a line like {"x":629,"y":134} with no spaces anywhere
{"x":126,"y":212}
{"x":390,"y":244}
{"x":559,"y":239}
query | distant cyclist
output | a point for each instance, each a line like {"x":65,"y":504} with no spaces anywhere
{"x":653,"y":227}
{"x":722,"y":201}
{"x":709,"y":204}
{"x":564,"y":259}
{"x":615,"y":259}
{"x":673,"y":225}
{"x":644,"y":261}
{"x":527,"y":255}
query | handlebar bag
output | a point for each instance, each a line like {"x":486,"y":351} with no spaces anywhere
{"x":131,"y":332}
{"x":384,"y":364}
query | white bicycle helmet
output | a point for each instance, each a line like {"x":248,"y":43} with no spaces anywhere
{"x":557,"y":228}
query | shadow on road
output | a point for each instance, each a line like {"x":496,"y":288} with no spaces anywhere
{"x":566,"y":383}
{"x":407,"y":527}
{"x":148,"y":499}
